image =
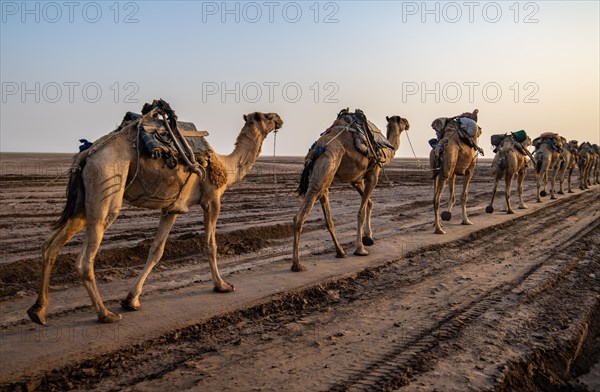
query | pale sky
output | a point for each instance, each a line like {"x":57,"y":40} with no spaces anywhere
{"x":71,"y":70}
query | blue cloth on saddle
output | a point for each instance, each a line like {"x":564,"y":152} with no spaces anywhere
{"x":84,"y":145}
{"x":469,"y":126}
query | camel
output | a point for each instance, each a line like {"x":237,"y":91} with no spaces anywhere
{"x":548,"y":147}
{"x":568,"y":163}
{"x":113,"y":172}
{"x":335,"y":156}
{"x":510,"y":160}
{"x":451,"y":157}
{"x":585,"y":164}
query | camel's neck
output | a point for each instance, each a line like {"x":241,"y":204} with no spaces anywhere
{"x":393,"y":137}
{"x":243,"y":157}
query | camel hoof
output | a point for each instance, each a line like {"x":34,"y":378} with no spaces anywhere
{"x":446,"y":215}
{"x":109,"y":318}
{"x":367,"y":241}
{"x":570,"y":191}
{"x":466,"y":222}
{"x":226,"y":288}
{"x":553,"y":197}
{"x":337,"y":255}
{"x":489,"y":209}
{"x":561,"y":192}
{"x":523,"y":207}
{"x":510,"y":212}
{"x":128,"y":304}
{"x":439,"y":231}
{"x":362,"y":252}
{"x":543,"y":194}
{"x":36,"y":315}
{"x":298,"y":267}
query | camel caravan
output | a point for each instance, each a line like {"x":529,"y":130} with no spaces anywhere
{"x":152,"y":160}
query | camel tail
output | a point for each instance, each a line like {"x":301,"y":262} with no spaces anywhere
{"x":305,"y":177}
{"x":75,"y":197}
{"x":538,"y":164}
{"x":309,"y":163}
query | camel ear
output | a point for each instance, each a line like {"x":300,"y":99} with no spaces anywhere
{"x":245,"y":118}
{"x":387,"y":119}
{"x":257,"y":116}
{"x":269,"y":116}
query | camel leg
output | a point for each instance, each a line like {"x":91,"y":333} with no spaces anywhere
{"x":85,"y":265}
{"x":490,"y":208}
{"x":212,"y":209}
{"x":104,"y":186}
{"x":552,"y":183}
{"x":508,"y":183}
{"x":438,"y":185}
{"x":561,"y":177}
{"x":542,"y":180}
{"x":520,"y":181}
{"x":582,"y":178}
{"x":320,"y":181}
{"x":324,"y":199}
{"x":587,"y":176}
{"x":51,"y":250}
{"x":463,"y":199}
{"x":569,"y":181}
{"x":299,"y":219}
{"x":368,"y":237}
{"x":452,"y":198}
{"x":132,"y":301}
{"x":538,"y":181}
{"x":370,"y":183}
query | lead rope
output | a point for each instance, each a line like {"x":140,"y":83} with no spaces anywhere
{"x":413,"y":151}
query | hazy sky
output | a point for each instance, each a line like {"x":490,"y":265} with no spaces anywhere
{"x":71,"y":69}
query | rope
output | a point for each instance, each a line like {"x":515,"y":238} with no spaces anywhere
{"x":413,"y":151}
{"x":137,"y":168}
{"x":345,"y":128}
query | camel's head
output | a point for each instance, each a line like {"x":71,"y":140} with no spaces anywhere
{"x":479,"y":130}
{"x":264,"y":122}
{"x":439,"y":124}
{"x":527,"y":142}
{"x":396,"y":124}
{"x":400,"y":121}
{"x":573,"y":144}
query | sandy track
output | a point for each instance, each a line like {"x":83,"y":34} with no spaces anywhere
{"x":404,"y":315}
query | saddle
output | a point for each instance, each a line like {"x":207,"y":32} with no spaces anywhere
{"x":550,"y":138}
{"x":518,"y":138}
{"x":368,"y":139}
{"x":174,"y":141}
{"x":439,"y":125}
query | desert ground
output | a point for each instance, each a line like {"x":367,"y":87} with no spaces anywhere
{"x":509,"y":303}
